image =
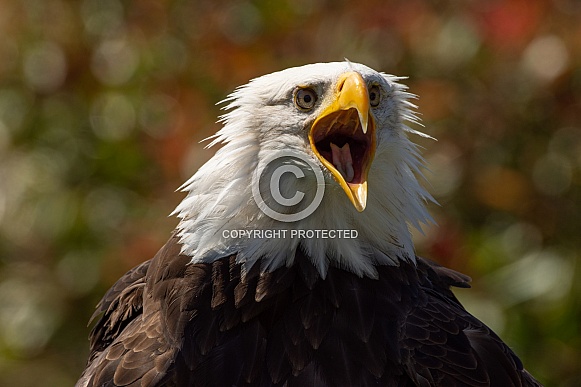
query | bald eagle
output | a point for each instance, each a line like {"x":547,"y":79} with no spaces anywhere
{"x":257,"y":287}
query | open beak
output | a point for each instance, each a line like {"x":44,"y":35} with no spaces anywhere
{"x":343,"y":137}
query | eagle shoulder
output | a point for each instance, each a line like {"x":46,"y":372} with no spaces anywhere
{"x":171,"y":322}
{"x":446,"y":345}
{"x":130,"y":342}
{"x":121,"y":303}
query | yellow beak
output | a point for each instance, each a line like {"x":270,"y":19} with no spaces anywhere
{"x":343,"y":137}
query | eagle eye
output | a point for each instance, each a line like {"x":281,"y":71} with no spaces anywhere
{"x":374,"y":95}
{"x":305,"y":98}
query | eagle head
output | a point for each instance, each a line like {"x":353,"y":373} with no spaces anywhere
{"x":332,"y":134}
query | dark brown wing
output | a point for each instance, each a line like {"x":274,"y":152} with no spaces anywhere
{"x":130,"y":345}
{"x":173,"y":323}
{"x":446,"y":346}
{"x":212,"y":325}
{"x":119,"y":306}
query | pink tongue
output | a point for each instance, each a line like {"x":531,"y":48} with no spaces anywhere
{"x":342,"y":161}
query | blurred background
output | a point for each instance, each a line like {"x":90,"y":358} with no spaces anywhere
{"x":103,"y":104}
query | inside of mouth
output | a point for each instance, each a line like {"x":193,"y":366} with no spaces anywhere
{"x":340,"y":140}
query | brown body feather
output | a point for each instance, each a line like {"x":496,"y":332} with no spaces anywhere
{"x":171,"y":323}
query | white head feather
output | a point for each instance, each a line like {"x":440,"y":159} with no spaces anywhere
{"x":262,"y":119}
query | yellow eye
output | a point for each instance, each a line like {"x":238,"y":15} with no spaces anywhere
{"x":305,"y":99}
{"x":374,"y":95}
